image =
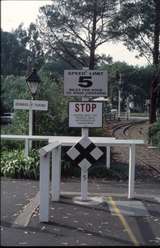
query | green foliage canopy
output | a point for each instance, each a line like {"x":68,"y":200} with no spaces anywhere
{"x":80,"y":22}
{"x":13,"y":55}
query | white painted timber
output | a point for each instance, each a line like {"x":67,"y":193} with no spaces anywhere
{"x":99,"y":141}
{"x":24,"y":137}
{"x":44,"y":188}
{"x":56,"y":173}
{"x":63,"y":140}
{"x":56,"y":158}
{"x":103,"y":141}
{"x":131,"y":171}
{"x":48,"y":148}
{"x":71,"y":140}
{"x":30,"y":121}
{"x":26,"y":149}
{"x":84,"y":184}
{"x":108,"y":157}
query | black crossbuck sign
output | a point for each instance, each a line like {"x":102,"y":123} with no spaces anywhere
{"x":84,"y":153}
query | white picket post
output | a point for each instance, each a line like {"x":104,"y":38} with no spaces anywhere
{"x":108,"y":157}
{"x":44,"y":188}
{"x":26,"y":149}
{"x":131,"y":171}
{"x":56,"y":173}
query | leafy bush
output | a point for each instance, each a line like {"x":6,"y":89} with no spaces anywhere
{"x":11,"y":145}
{"x":14,"y":164}
{"x":154,"y":134}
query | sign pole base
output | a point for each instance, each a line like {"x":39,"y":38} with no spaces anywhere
{"x":84,"y":185}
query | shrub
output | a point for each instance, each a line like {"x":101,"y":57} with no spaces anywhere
{"x":14,"y":164}
{"x":154,"y":134}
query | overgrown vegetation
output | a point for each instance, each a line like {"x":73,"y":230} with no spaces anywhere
{"x":154,"y":134}
{"x":14,"y":164}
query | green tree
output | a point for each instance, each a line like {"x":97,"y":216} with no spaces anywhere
{"x":51,"y":122}
{"x":21,"y":34}
{"x":70,"y":54}
{"x":29,"y":39}
{"x":14,"y":87}
{"x":137,"y":24}
{"x":80,"y":22}
{"x":135,"y":82}
{"x":13,"y":55}
{"x":55,"y":120}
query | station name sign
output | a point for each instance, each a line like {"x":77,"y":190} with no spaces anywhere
{"x":85,"y":83}
{"x":85,"y":114}
{"x":31,"y":104}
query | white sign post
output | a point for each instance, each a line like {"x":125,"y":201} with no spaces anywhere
{"x":30,"y":105}
{"x":84,"y":184}
{"x":85,"y":83}
{"x":84,"y":153}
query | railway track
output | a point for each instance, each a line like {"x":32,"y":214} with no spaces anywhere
{"x":124,"y":127}
{"x":147,"y":160}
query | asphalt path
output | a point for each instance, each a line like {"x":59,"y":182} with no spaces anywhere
{"x":108,"y":219}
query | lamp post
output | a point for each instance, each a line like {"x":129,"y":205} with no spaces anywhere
{"x":119,"y":79}
{"x":33,"y":81}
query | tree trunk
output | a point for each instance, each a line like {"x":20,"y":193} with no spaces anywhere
{"x":156,"y":63}
{"x":93,"y":41}
{"x":153,"y":100}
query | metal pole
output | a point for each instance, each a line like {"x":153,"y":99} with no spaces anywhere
{"x":30,"y":126}
{"x":34,"y":118}
{"x":127,"y":108}
{"x":119,"y":98}
{"x":119,"y":104}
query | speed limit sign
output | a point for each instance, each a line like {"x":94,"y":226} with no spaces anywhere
{"x":85,"y":83}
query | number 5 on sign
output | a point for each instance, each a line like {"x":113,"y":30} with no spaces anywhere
{"x":85,"y":83}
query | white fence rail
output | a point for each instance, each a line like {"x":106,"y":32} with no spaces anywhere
{"x":55,"y":150}
{"x":25,"y":138}
{"x":45,"y":177}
